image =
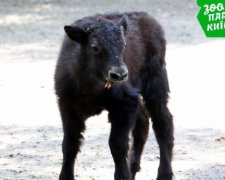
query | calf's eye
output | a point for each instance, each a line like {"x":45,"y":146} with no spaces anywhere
{"x":95,"y":48}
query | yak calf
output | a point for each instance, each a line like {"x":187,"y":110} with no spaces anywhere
{"x":107,"y":62}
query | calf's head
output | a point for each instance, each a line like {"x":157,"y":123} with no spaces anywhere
{"x":103,"y":44}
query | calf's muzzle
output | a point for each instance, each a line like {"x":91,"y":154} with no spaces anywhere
{"x":118,"y":73}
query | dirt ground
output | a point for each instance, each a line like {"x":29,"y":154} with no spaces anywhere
{"x":31,"y":32}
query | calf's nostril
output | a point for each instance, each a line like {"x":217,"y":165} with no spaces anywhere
{"x":114,"y":76}
{"x":124,"y":75}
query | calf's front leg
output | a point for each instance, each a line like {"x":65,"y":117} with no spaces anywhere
{"x":73,"y":126}
{"x":122,"y":122}
{"x":118,"y":142}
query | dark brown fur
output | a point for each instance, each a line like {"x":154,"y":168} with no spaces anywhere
{"x":80,"y":78}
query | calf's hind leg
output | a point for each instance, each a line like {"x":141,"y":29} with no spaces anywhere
{"x":156,"y":97}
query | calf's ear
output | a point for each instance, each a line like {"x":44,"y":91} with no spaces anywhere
{"x":123,"y":22}
{"x":76,"y":34}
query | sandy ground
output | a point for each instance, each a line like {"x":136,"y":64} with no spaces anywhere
{"x":30,"y":126}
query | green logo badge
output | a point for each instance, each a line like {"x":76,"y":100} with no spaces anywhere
{"x":212,"y":17}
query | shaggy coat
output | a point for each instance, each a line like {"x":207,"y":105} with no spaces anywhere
{"x":115,"y":62}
